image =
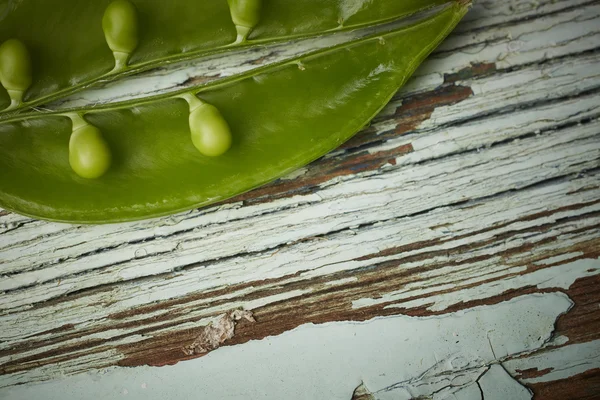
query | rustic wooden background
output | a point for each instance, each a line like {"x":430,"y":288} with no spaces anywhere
{"x":450,"y":250}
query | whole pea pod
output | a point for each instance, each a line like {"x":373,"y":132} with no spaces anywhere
{"x":78,"y":43}
{"x":179,"y":151}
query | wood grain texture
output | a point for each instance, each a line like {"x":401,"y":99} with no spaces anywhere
{"x":478,"y":184}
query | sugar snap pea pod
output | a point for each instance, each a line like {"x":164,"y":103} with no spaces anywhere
{"x":77,"y":43}
{"x":281,"y":117}
{"x":15,"y":70}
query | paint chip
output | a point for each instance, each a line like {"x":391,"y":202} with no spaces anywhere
{"x":217,"y":332}
{"x":362,"y":393}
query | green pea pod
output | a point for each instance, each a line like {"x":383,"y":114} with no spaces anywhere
{"x":281,"y":117}
{"x":78,"y":43}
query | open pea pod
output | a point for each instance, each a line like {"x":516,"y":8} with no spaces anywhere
{"x":68,"y":45}
{"x":143,"y":159}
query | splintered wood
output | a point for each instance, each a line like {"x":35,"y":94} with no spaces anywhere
{"x":217,"y":332}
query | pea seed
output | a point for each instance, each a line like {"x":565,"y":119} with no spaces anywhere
{"x":245,"y":14}
{"x":210,"y":132}
{"x":15,"y":70}
{"x":120,"y":25}
{"x":89,"y":154}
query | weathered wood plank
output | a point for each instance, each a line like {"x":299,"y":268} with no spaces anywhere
{"x":348,"y":354}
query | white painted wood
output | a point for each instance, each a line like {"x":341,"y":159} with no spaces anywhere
{"x":565,"y":362}
{"x":345,"y":353}
{"x":486,"y":13}
{"x":497,"y":384}
{"x":471,"y":392}
{"x":509,"y":90}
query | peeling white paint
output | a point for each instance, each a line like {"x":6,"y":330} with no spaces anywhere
{"x":497,"y":384}
{"x":342,"y":281}
{"x":561,"y":276}
{"x":502,"y":91}
{"x":563,"y":362}
{"x":344,"y":246}
{"x":471,"y":392}
{"x":485,"y":13}
{"x":559,"y":259}
{"x":330,"y":360}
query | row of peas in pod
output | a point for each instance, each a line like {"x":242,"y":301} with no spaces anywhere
{"x":89,"y":154}
{"x":120,"y":24}
{"x":69,"y":48}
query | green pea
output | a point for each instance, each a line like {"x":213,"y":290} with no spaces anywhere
{"x":15,"y":70}
{"x":120,"y":25}
{"x":89,"y":154}
{"x":210,"y":132}
{"x":245,"y":15}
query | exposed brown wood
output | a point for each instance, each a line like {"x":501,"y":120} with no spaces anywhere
{"x":334,"y":304}
{"x":533,"y":373}
{"x":582,"y":322}
{"x":473,"y":71}
{"x":585,"y":386}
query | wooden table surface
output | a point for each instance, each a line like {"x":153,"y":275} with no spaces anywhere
{"x":449,"y":251}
